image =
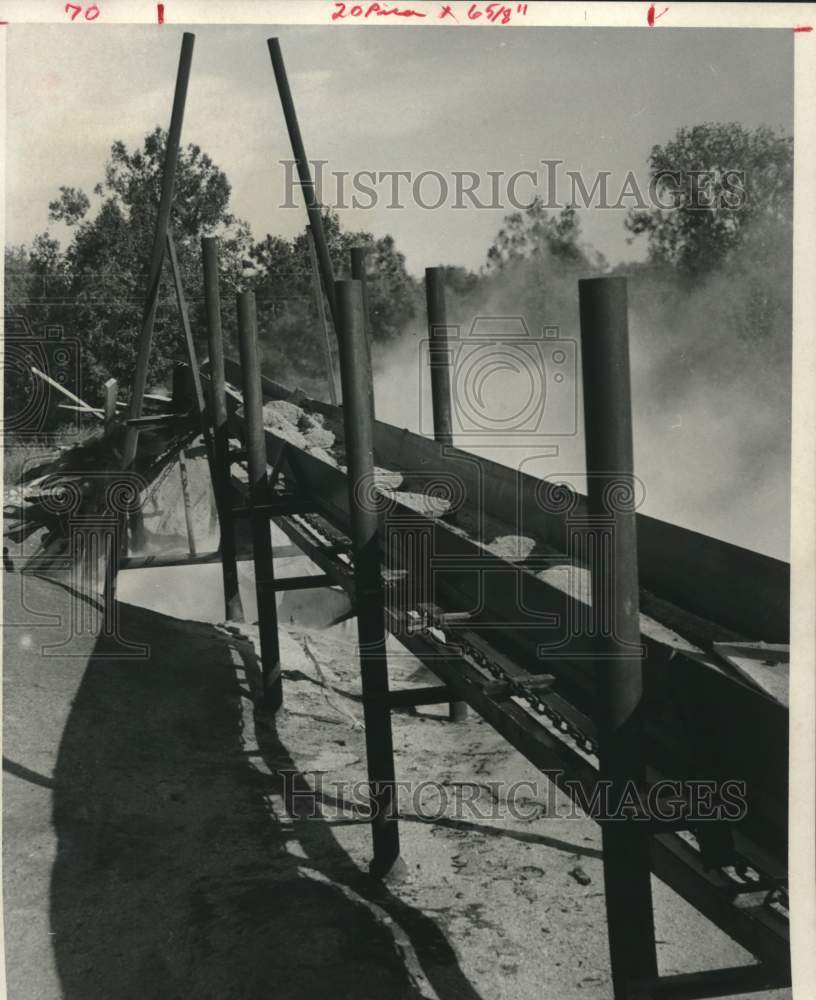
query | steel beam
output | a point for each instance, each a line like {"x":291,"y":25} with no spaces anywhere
{"x":439,"y":355}
{"x":316,"y":582}
{"x":358,"y":419}
{"x":317,"y":291}
{"x":611,"y":532}
{"x":304,"y":173}
{"x":258,"y":495}
{"x":439,"y":361}
{"x":190,"y":351}
{"x":111,"y":396}
{"x":233,"y":608}
{"x":157,"y":253}
{"x":358,"y":257}
{"x":710,"y":983}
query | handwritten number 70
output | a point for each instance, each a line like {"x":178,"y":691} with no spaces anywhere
{"x":73,"y":10}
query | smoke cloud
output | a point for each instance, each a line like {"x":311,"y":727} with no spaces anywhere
{"x":711,"y":369}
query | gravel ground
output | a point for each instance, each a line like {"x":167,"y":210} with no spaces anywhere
{"x":153,"y":846}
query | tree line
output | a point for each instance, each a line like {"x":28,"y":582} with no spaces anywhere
{"x":93,"y":288}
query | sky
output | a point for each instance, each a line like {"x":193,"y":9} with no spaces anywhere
{"x":383,"y":99}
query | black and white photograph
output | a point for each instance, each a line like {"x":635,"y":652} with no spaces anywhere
{"x":408,"y":500}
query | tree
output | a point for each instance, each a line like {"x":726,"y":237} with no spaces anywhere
{"x":70,"y":207}
{"x":532,"y":268}
{"x":290,"y":333}
{"x":95,"y":288}
{"x":535,"y":233}
{"x":720,"y":183}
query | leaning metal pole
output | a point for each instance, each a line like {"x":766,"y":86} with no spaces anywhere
{"x":157,"y":253}
{"x":305,"y":175}
{"x":358,"y":420}
{"x":190,"y":351}
{"x":233,"y":608}
{"x":611,"y":524}
{"x":258,"y":497}
{"x":317,"y":291}
{"x":439,"y":362}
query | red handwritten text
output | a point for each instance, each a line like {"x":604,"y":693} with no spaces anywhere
{"x":372,"y":10}
{"x":73,"y":10}
{"x":495,"y":13}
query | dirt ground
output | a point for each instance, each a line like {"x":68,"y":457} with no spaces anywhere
{"x":157,"y":843}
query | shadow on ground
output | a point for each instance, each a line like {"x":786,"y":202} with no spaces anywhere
{"x":175,"y":876}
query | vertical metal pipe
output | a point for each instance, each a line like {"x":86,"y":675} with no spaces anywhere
{"x":305,"y":175}
{"x":233,"y":607}
{"x":611,"y":507}
{"x":317,"y":291}
{"x":181,"y":391}
{"x":188,"y":506}
{"x":439,"y":355}
{"x":157,"y":252}
{"x":358,"y":419}
{"x":111,"y":395}
{"x":439,"y":362}
{"x":259,"y":495}
{"x":358,"y":273}
{"x":189,"y":347}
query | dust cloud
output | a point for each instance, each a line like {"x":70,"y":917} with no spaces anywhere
{"x":711,"y":370}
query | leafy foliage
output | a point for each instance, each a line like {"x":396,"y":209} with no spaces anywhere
{"x":712,"y":210}
{"x":95,"y":288}
{"x":284,"y":286}
{"x":535,"y":233}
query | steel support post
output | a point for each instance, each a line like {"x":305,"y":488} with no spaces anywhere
{"x":190,"y":351}
{"x":611,"y":508}
{"x":439,"y":362}
{"x":358,"y":419}
{"x":111,"y":395}
{"x":358,"y":273}
{"x":257,"y":496}
{"x":233,"y":608}
{"x":317,"y":291}
{"x":188,"y":505}
{"x":157,"y":253}
{"x":439,"y":355}
{"x":305,"y":176}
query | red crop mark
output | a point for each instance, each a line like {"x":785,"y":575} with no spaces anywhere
{"x":160,"y":12}
{"x":651,"y":17}
{"x":803,"y":27}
